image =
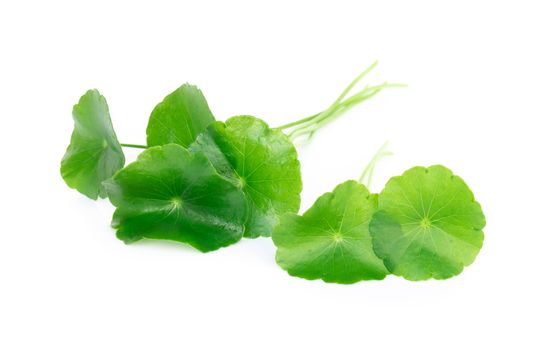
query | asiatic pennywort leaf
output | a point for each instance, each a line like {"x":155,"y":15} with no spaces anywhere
{"x":261,"y":161}
{"x":331,"y":240}
{"x":94,"y":153}
{"x":170,"y":193}
{"x":428,"y":224}
{"x":179,"y":118}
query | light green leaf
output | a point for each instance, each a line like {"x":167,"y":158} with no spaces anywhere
{"x":179,"y":118}
{"x":261,"y":161}
{"x":170,"y":193}
{"x":428,"y":224}
{"x":331,"y":241}
{"x":94,"y":153}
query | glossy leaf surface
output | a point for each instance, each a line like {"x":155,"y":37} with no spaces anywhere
{"x":179,"y":118}
{"x":261,"y":161}
{"x":331,"y":241}
{"x":428,"y":224}
{"x":170,"y":193}
{"x":94,"y":153}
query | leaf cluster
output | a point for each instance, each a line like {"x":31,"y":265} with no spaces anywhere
{"x":209,"y":183}
{"x":199,"y":181}
{"x":423,"y":224}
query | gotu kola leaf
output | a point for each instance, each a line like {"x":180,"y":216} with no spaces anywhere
{"x":331,"y":240}
{"x":94,"y":153}
{"x":170,"y":193}
{"x":259,"y":160}
{"x":428,"y":224}
{"x":179,"y":118}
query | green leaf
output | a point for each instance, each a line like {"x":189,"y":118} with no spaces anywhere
{"x":94,"y":153}
{"x":331,"y":241}
{"x":179,"y":118}
{"x":428,"y":224}
{"x":261,"y":161}
{"x":170,"y":193}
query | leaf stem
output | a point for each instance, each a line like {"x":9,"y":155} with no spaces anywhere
{"x":130,"y":145}
{"x":323,"y":118}
{"x":367,"y":174}
{"x":342,"y":95}
{"x":298,"y":122}
{"x":309,"y":125}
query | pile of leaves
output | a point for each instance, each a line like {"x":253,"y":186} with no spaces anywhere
{"x":209,"y":183}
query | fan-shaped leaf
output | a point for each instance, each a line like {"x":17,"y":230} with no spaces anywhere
{"x":331,"y":241}
{"x":170,"y":193}
{"x":261,"y":161}
{"x":427,"y":225}
{"x":94,"y":153}
{"x":179,"y":118}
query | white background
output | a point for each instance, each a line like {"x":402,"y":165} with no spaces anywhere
{"x":483,"y":99}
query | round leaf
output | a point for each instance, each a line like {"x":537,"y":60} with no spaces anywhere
{"x":428,"y":224}
{"x":94,"y":153}
{"x":170,"y":193}
{"x":331,"y":241}
{"x":179,"y":118}
{"x":261,"y":161}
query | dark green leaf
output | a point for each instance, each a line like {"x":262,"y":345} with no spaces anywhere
{"x":94,"y":153}
{"x":170,"y":193}
{"x":428,"y":224}
{"x":261,"y":161}
{"x":331,"y":241}
{"x":179,"y":118}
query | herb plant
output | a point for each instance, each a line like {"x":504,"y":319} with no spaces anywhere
{"x":256,"y":160}
{"x":208,"y":183}
{"x":424,"y":224}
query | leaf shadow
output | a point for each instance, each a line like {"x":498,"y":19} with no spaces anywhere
{"x":161,"y":244}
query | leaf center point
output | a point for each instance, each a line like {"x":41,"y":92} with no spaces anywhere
{"x":242,"y":182}
{"x":176,"y":202}
{"x":337,"y":237}
{"x":425,"y":223}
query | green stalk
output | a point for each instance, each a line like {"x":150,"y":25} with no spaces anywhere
{"x":130,"y":145}
{"x":342,"y":95}
{"x":323,"y":118}
{"x":309,"y":125}
{"x":298,"y":122}
{"x":367,"y":174}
